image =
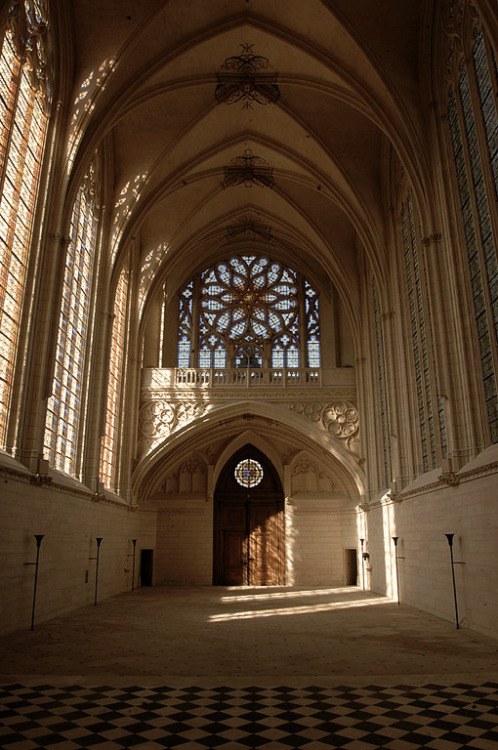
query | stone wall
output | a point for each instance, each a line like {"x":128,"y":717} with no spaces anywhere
{"x":464,"y":505}
{"x":70,"y":519}
{"x":184,"y":551}
{"x":318,"y":532}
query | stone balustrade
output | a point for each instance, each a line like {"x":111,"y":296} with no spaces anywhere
{"x":198,"y":377}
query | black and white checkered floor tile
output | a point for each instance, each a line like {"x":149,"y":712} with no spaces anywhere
{"x":195,"y":718}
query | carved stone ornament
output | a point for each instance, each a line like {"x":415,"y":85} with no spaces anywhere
{"x":312,"y":411}
{"x":303,"y":466}
{"x":158,"y":419}
{"x":306,"y":478}
{"x":339,"y":418}
{"x":244,"y":78}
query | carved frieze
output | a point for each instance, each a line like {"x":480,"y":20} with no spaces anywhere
{"x":339,"y":418}
{"x":165,"y":408}
{"x":307,"y":478}
{"x":159,"y":418}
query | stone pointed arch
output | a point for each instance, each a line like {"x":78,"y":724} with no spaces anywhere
{"x":260,"y":442}
{"x":270,"y":422}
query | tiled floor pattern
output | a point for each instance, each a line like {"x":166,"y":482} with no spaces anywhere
{"x":195,"y":718}
{"x":216,"y":633}
{"x":278,"y":668}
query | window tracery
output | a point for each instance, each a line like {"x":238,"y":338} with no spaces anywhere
{"x":410,"y":226}
{"x":381,"y":373}
{"x":110,"y":439}
{"x":65,"y":405}
{"x":248,"y":473}
{"x":473,"y":129}
{"x":249,"y":311}
{"x":24,"y":99}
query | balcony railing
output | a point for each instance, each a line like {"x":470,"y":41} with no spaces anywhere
{"x":245,"y":378}
{"x":170,"y":378}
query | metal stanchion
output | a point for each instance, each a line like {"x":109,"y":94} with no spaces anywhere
{"x":362,"y":542}
{"x":98,"y":539}
{"x":395,"y":540}
{"x":38,"y":538}
{"x":449,"y":537}
{"x":134,"y":542}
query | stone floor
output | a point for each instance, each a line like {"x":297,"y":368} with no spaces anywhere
{"x":235,"y":668}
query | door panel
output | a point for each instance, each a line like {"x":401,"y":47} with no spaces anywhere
{"x":233,"y":558}
{"x":265,"y":554}
{"x":250,"y":543}
{"x":234,"y":516}
{"x":249,"y":528}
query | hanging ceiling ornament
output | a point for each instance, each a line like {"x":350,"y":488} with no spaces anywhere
{"x":248,"y":225}
{"x":248,"y":170}
{"x":241,"y":79}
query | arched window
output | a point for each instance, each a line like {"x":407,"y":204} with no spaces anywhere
{"x":473,"y":127}
{"x":24,"y":95}
{"x":110,"y":440}
{"x":249,"y":311}
{"x":66,"y":404}
{"x":382,"y":409}
{"x":411,"y":235}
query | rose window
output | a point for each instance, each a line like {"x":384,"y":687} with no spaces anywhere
{"x":248,"y":473}
{"x":247,"y":312}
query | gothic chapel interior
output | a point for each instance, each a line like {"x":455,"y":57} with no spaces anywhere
{"x":249,"y":299}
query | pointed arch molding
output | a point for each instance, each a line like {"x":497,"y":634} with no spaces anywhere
{"x":281,"y":434}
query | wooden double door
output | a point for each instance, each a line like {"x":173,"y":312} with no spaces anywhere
{"x":249,"y":542}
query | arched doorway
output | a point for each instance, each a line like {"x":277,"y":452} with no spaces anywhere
{"x":249,"y":545}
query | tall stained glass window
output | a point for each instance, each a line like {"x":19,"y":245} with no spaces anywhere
{"x":382,"y":386}
{"x":418,"y":325}
{"x":249,"y":311}
{"x":65,"y":407}
{"x":473,"y":128}
{"x":110,"y":439}
{"x":23,"y":120}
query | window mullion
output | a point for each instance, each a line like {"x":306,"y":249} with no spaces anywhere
{"x":195,"y":343}
{"x":9,"y":115}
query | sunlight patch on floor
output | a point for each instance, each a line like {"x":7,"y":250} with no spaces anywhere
{"x":303,"y":610}
{"x":290,"y":594}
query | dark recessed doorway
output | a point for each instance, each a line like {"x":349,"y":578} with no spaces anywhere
{"x":249,"y":543}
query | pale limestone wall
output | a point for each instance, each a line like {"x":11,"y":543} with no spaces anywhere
{"x":318,"y":532}
{"x":70,"y":522}
{"x":184,"y":552}
{"x":469,"y":510}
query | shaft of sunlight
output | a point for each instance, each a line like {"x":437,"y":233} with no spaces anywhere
{"x":303,"y":610}
{"x":291,"y":594}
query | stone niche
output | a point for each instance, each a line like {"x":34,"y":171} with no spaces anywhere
{"x":308,"y":479}
{"x":190,"y":478}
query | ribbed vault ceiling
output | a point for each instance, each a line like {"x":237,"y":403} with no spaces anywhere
{"x":348,"y":81}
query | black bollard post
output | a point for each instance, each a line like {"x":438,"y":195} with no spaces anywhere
{"x":362,"y":542}
{"x":134,"y":542}
{"x":395,"y":540}
{"x":98,"y":539}
{"x":449,"y":537}
{"x":38,"y":538}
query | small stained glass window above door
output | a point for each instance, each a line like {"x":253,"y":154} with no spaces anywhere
{"x":248,"y":473}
